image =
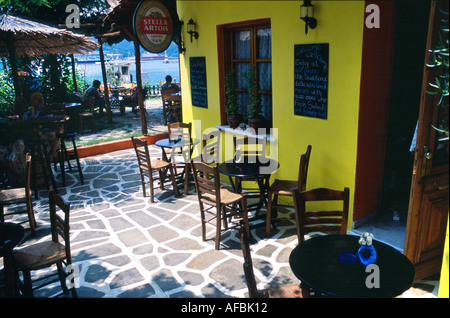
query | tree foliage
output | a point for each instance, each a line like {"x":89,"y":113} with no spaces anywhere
{"x":50,"y":75}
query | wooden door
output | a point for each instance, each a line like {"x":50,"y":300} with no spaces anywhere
{"x":429,"y":199}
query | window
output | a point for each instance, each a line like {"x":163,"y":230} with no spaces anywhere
{"x":245,"y":45}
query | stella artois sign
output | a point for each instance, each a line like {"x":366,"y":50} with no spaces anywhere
{"x":153,"y":26}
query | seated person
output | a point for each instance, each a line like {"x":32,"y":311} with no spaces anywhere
{"x":37,"y":104}
{"x":94,"y":92}
{"x":13,"y":163}
{"x":169,"y":85}
{"x":20,"y":106}
{"x":131,"y":99}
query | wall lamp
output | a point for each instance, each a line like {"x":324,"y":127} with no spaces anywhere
{"x":191,"y":29}
{"x":307,"y":15}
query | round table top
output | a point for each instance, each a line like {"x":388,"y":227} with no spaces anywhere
{"x":167,"y":143}
{"x":248,"y":169}
{"x":316,"y":263}
{"x":38,"y":121}
{"x":11,"y":232}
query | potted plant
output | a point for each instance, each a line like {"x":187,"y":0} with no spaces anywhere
{"x":231,"y":104}
{"x":254,"y":108}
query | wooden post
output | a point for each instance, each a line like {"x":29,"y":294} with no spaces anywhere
{"x":105,"y":82}
{"x":137,"y":54}
{"x":74,"y":74}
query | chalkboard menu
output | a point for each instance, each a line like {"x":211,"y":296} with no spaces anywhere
{"x":198,"y":81}
{"x":311,"y":80}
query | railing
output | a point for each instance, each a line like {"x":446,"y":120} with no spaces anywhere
{"x":154,"y":90}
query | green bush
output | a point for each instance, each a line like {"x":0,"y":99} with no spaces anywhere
{"x":7,"y":96}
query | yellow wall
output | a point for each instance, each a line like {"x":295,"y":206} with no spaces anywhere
{"x":334,"y":141}
{"x":443,"y":284}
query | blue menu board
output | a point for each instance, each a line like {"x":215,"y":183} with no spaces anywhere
{"x":311,"y":80}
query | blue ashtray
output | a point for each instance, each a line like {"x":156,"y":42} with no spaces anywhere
{"x":348,"y":256}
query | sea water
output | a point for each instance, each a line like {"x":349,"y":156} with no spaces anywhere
{"x":152,"y":71}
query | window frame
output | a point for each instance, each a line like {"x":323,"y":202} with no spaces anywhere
{"x":226,"y":58}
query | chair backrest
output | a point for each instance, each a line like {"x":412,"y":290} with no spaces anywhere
{"x":28,"y":175}
{"x":320,"y":220}
{"x":179,"y":130}
{"x":207,"y":183}
{"x":211,"y":147}
{"x":303,"y":169}
{"x":167,"y":93}
{"x":91,"y":104}
{"x":248,"y":265}
{"x":59,"y":225}
{"x":7,"y":287}
{"x":182,"y":131}
{"x":248,"y":148}
{"x":142,"y":153}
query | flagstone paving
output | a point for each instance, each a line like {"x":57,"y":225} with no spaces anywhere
{"x":125,"y":246}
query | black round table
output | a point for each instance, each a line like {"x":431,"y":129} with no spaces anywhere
{"x":316,"y":263}
{"x":175,"y":143}
{"x":248,"y":169}
{"x":259,"y":171}
{"x":11,"y":232}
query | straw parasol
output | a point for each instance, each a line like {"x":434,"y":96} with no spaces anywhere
{"x":21,"y":37}
{"x":35,"y":39}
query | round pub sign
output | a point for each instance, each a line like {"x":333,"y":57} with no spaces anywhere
{"x":153,"y":26}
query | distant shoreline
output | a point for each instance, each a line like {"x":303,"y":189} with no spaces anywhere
{"x":153,"y":71}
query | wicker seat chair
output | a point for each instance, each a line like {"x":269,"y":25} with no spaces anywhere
{"x":217,"y":203}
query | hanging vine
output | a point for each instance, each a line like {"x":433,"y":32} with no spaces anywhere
{"x":439,"y":59}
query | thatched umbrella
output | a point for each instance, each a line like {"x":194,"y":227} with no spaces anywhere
{"x":21,"y":37}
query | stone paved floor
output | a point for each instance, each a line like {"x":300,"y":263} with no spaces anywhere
{"x":126,"y":246}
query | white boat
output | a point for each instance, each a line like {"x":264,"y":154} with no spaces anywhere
{"x":121,"y":69}
{"x":151,"y":56}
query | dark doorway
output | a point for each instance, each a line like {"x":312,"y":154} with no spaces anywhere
{"x":389,"y":222}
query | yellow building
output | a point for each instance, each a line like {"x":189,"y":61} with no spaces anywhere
{"x":357,"y":145}
{"x":333,"y":159}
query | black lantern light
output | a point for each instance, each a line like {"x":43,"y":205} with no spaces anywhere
{"x":191,"y":29}
{"x":307,"y":15}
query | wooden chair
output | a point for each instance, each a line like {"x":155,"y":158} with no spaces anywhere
{"x":171,"y":105}
{"x":65,"y":154}
{"x":7,"y":275}
{"x":285,"y":291}
{"x":181,"y":156}
{"x":47,"y":253}
{"x":224,"y":203}
{"x":249,"y":149}
{"x":148,"y":166}
{"x":131,"y":99}
{"x":287,"y":188}
{"x":38,"y":147}
{"x":320,"y":220}
{"x":18,"y":195}
{"x":89,"y":114}
{"x":179,"y":130}
{"x":211,"y":148}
